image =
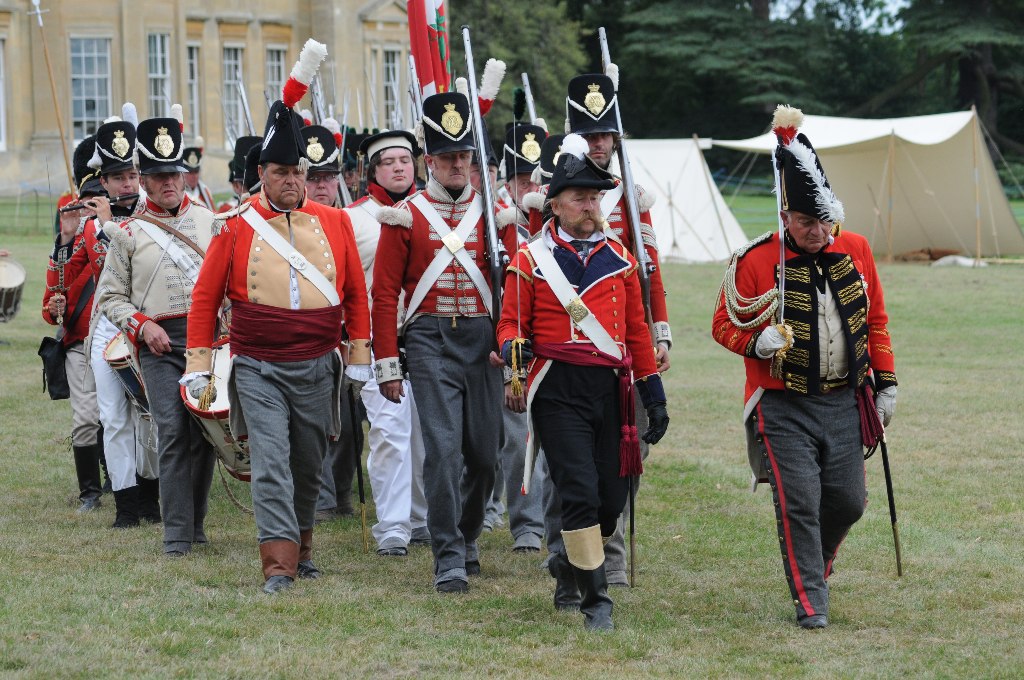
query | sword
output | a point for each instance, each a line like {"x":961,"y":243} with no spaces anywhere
{"x":892,"y":507}
{"x":356,"y":427}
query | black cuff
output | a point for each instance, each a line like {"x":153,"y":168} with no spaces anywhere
{"x":884,"y":379}
{"x":750,"y":350}
{"x":61,"y":253}
{"x":651,"y":390}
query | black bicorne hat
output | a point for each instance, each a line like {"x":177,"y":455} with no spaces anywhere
{"x":321,"y":148}
{"x":800,"y":178}
{"x":159,"y":146}
{"x":574,"y":168}
{"x":87,"y":178}
{"x":523,"y":148}
{"x":115,"y":146}
{"x":592,"y":105}
{"x":236,"y":167}
{"x":447,"y":123}
{"x":282,"y":138}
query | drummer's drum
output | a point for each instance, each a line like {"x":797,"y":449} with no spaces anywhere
{"x":121,"y":357}
{"x":12,"y":281}
{"x":233,"y":453}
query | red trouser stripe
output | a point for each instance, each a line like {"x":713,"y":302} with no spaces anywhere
{"x":798,"y":582}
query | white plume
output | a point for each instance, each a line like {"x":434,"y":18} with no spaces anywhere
{"x":540,"y":122}
{"x":494,"y":73}
{"x":200,"y":142}
{"x":111,"y":119}
{"x":312,"y":54}
{"x":462,"y":87}
{"x":130,"y":114}
{"x":575,"y":145}
{"x":612,"y":71}
{"x":177,"y":114}
{"x":95,"y":162}
{"x":830,"y":206}
{"x":331,"y":125}
{"x":787,"y":116}
{"x":306,"y":115}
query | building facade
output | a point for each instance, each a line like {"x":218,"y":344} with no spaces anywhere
{"x":193,"y":52}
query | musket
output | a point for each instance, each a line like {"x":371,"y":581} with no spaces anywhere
{"x":316,"y":96}
{"x":530,"y":107}
{"x":415,"y":93}
{"x":346,"y":197}
{"x":245,"y":103}
{"x":497,"y":258}
{"x":646,"y":266}
{"x":56,"y":104}
{"x":229,"y":123}
{"x":267,"y":98}
{"x":357,"y":427}
{"x":892,"y":506}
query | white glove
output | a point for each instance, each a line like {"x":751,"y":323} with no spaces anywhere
{"x":885,"y":404}
{"x":358,"y":375}
{"x":770,"y":341}
{"x":195,"y":383}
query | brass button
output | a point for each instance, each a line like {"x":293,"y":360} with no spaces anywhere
{"x":259,"y":238}
{"x":614,"y":299}
{"x":616,"y":337}
{"x":322,"y":241}
{"x":615,"y":313}
{"x":616,"y":325}
{"x":258,"y":249}
{"x":326,"y":254}
{"x":316,"y":231}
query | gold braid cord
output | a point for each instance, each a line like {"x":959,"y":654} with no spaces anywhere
{"x":517,"y":366}
{"x":780,"y":354}
{"x":737,"y":305}
{"x":206,"y":398}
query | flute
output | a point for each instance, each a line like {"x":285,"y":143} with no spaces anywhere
{"x":115,"y":199}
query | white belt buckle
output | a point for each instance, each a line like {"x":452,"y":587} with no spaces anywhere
{"x":297,"y":260}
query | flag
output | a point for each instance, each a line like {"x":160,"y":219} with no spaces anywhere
{"x":428,"y":37}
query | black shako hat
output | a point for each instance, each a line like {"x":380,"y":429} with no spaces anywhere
{"x":523,"y":148}
{"x":592,"y":105}
{"x":574,"y":168}
{"x":251,"y":176}
{"x":236,"y":166}
{"x":87,"y":178}
{"x":115,"y":147}
{"x":799,"y":177}
{"x":447,"y":123}
{"x":549,"y":152}
{"x":158,"y":142}
{"x":193,"y":155}
{"x":321,"y":148}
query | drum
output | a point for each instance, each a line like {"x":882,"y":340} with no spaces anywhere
{"x":12,"y":281}
{"x":234,"y":453}
{"x":121,"y":357}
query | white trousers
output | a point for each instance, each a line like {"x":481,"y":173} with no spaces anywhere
{"x":116,"y":412}
{"x":395,"y":463}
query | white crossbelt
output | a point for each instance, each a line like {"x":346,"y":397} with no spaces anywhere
{"x":178,"y":256}
{"x":455,"y":249}
{"x":294,"y":258}
{"x":371,"y":207}
{"x":610,"y":200}
{"x":567,"y":296}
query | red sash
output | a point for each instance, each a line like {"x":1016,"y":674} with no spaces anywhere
{"x":270,"y":333}
{"x":630,"y":461}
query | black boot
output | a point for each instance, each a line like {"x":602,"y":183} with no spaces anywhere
{"x":127,"y":503}
{"x":594,"y":601}
{"x":103,"y":464}
{"x":87,"y":469}
{"x":567,"y":593}
{"x":149,"y":499}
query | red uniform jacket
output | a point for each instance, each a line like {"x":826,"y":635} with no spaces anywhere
{"x":756,"y":274}
{"x":243,"y":268}
{"x":406,"y":248}
{"x":62,"y":279}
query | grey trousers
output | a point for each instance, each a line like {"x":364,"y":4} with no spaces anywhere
{"x":459,"y":402}
{"x":286,"y":406}
{"x":186,"y":459}
{"x":815,"y":460}
{"x":85,"y":412}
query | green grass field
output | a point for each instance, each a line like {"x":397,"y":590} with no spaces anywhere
{"x":81,"y":600}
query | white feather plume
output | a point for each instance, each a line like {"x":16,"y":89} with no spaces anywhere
{"x":787,"y":116}
{"x":331,"y":125}
{"x":177,"y":114}
{"x":306,"y":115}
{"x":95,"y":162}
{"x":462,"y":87}
{"x":112,"y":119}
{"x":200,"y":142}
{"x":826,"y":201}
{"x":494,"y":73}
{"x":312,"y":54}
{"x":130,"y":114}
{"x":575,"y":145}
{"x":541,"y":123}
{"x":612,"y":71}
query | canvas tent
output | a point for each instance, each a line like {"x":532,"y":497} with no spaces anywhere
{"x":912,"y":183}
{"x":691,"y":220}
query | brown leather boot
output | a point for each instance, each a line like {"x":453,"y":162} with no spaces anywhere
{"x":280,"y":562}
{"x":306,"y":568}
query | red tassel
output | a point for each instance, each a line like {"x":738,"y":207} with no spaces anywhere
{"x":871,"y":429}
{"x":631,"y":464}
{"x":292,"y":92}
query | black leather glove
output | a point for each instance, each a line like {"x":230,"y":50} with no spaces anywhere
{"x":525,"y":352}
{"x":657,"y":416}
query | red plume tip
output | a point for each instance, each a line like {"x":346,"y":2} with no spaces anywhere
{"x":485,"y":106}
{"x":785,"y":134}
{"x":337,"y":139}
{"x":292,"y":92}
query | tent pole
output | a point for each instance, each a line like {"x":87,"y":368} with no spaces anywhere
{"x":711,"y":191}
{"x":892,"y":175}
{"x":977,"y":187}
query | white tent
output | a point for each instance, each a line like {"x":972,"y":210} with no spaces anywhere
{"x":912,"y":183}
{"x":691,"y":220}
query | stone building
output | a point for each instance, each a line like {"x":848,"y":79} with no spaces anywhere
{"x":192,"y":52}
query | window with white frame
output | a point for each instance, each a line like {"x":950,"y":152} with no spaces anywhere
{"x":90,"y":84}
{"x":192,"y":119}
{"x":159,"y":74}
{"x":3,"y":99}
{"x":392,"y":89}
{"x":234,"y":114}
{"x":276,"y":75}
